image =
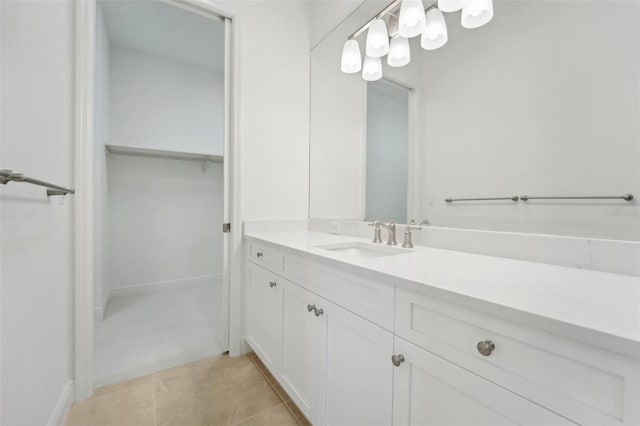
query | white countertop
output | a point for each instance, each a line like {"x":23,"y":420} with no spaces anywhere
{"x":598,"y":307}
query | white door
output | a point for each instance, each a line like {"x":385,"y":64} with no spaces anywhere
{"x":358,"y":373}
{"x":429,"y":390}
{"x":300,"y":331}
{"x":263,"y":312}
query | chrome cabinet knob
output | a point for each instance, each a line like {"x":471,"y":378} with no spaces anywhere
{"x":486,"y":347}
{"x":311,"y":307}
{"x":319,"y":311}
{"x":259,"y":254}
{"x":272,"y":284}
{"x":397,"y":359}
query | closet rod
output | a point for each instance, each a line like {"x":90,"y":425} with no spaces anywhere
{"x":7,"y":176}
{"x":159,"y":153}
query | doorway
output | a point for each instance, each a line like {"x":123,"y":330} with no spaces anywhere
{"x":160,"y":293}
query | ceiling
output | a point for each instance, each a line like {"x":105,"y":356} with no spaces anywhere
{"x":160,"y":29}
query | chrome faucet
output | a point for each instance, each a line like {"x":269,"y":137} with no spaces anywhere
{"x":422,"y":222}
{"x":391,"y":235}
{"x":407,"y":242}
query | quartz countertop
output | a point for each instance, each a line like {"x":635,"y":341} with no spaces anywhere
{"x":599,"y":308}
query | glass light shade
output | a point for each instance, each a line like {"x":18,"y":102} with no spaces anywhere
{"x":411,"y":18}
{"x":451,"y":5}
{"x":377,"y":39}
{"x":476,"y":13}
{"x":351,"y":58}
{"x":435,"y":32}
{"x":372,"y":69}
{"x":399,"y":52}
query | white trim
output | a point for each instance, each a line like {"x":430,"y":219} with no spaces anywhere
{"x":84,"y":221}
{"x":237,"y":344}
{"x":61,"y":409}
{"x":163,"y":286}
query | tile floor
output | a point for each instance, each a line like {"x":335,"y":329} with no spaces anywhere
{"x":214,"y":391}
{"x":151,"y":332}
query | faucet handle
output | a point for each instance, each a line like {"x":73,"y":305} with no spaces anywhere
{"x":407,"y":242}
{"x":377,"y":238}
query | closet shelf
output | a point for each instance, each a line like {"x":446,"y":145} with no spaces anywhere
{"x":159,"y":153}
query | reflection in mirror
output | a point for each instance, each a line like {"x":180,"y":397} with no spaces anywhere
{"x":387,"y":151}
{"x":535,"y":103}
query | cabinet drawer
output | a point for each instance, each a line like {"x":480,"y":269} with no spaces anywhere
{"x":580,"y":382}
{"x":264,"y":256}
{"x":367,"y":298}
{"x":429,"y":390}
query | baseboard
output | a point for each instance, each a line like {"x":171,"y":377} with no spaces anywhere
{"x":162,"y":286}
{"x":240,"y":347}
{"x":100,"y":311}
{"x":61,"y":409}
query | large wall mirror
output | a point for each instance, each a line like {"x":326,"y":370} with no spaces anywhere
{"x":542,"y":101}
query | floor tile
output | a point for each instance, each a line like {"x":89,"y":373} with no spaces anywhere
{"x":215,"y":391}
{"x":275,"y":416}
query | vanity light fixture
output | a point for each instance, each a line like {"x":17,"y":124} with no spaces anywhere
{"x":351,"y":58}
{"x":377,"y":39}
{"x":409,"y":21}
{"x":451,"y":5}
{"x":412,"y":20}
{"x":372,"y":69}
{"x":476,"y":13}
{"x":435,"y":32}
{"x":399,"y":53}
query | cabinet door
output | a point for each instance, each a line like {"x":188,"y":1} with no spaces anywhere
{"x":358,"y":373}
{"x":429,"y":390}
{"x":263,"y":310}
{"x":299,"y":361}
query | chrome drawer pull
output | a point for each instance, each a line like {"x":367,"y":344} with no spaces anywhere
{"x":272,"y":284}
{"x":397,"y":360}
{"x":319,"y":311}
{"x":311,"y":307}
{"x":259,"y":254}
{"x":486,"y":347}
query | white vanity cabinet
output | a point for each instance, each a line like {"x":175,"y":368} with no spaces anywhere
{"x":329,"y":335}
{"x":428,"y":390}
{"x":263,"y":295}
{"x":334,"y":364}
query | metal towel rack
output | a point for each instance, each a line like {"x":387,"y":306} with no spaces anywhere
{"x":626,"y":197}
{"x":7,"y":176}
{"x":512,"y":198}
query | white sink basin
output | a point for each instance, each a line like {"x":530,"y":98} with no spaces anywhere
{"x":360,"y":250}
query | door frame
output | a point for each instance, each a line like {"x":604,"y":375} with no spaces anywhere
{"x":84,"y":219}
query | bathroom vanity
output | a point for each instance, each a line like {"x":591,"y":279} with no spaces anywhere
{"x":362,"y":333}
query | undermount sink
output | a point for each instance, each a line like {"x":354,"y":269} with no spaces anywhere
{"x":360,"y":250}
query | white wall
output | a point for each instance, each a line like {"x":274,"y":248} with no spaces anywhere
{"x":160,"y":103}
{"x":164,"y":220}
{"x":537,"y":102}
{"x":101,"y":277}
{"x":273,"y":48}
{"x":36,"y":133}
{"x":327,"y":14}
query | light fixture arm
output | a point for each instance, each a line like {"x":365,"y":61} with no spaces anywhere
{"x":388,"y":10}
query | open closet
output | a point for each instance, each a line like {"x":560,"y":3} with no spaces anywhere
{"x":159,"y":297}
